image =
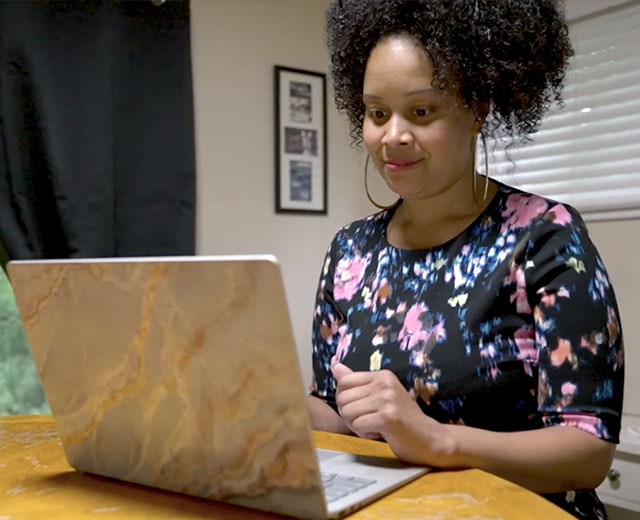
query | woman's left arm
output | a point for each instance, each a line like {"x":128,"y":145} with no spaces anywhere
{"x":547,"y":460}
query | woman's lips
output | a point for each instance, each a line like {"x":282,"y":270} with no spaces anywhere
{"x":398,"y":165}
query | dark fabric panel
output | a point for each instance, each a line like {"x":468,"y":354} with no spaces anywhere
{"x":96,"y":111}
{"x":161,"y":127}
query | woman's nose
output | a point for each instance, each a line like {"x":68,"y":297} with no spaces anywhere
{"x":397,"y":132}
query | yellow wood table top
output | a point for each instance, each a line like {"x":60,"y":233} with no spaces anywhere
{"x":37,"y":482}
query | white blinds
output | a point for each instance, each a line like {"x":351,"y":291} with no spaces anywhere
{"x":587,"y":154}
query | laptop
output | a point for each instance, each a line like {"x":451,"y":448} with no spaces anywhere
{"x":181,"y":373}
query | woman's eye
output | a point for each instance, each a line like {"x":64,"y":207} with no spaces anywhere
{"x":422,"y":112}
{"x":376,"y":113}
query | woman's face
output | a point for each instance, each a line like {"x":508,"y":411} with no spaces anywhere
{"x":421,"y":139}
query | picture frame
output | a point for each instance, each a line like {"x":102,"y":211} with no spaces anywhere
{"x":300,"y":141}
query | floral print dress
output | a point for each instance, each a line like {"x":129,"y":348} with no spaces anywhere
{"x":510,"y":326}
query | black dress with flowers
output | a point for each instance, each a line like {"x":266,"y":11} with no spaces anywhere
{"x":510,"y":326}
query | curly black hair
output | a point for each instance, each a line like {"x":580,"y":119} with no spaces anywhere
{"x":504,"y":57}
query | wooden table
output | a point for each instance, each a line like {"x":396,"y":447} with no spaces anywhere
{"x":37,"y":482}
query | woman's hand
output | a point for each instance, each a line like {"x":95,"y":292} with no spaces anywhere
{"x":547,"y":460}
{"x":375,"y":404}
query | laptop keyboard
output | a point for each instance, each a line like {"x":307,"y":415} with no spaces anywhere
{"x":338,"y":486}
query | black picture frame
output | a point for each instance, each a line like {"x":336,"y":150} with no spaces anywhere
{"x":300,"y":100}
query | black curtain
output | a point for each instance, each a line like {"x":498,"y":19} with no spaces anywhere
{"x":97,"y":135}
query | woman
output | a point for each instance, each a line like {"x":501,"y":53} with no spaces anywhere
{"x":471,"y":324}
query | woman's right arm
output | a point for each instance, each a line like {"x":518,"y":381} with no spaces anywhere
{"x":325,"y":338}
{"x":324,"y":418}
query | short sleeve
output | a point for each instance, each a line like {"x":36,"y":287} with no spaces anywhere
{"x":325,"y":332}
{"x":577,"y":327}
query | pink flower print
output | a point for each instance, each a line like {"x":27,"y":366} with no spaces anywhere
{"x":560,"y":215}
{"x":517,"y":275}
{"x":563,"y":353}
{"x":414,"y":333}
{"x":568,"y":391}
{"x":344,"y":342}
{"x":588,"y":423}
{"x":412,"y":327}
{"x":521,"y":210}
{"x":349,"y":276}
{"x":525,"y":343}
{"x":568,"y":388}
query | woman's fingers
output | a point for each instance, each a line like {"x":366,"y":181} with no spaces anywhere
{"x":347,"y":378}
{"x":369,"y":402}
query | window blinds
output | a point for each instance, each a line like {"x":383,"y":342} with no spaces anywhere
{"x":587,"y":153}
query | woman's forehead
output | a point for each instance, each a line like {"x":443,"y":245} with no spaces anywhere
{"x":397,"y":64}
{"x":396,"y":57}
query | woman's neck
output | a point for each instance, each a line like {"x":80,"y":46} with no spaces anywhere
{"x":428,"y":222}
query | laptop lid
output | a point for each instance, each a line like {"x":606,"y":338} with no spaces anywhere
{"x":178,"y":373}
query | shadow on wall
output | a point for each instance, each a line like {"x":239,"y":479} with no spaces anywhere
{"x":20,"y":388}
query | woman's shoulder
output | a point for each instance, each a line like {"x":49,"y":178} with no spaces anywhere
{"x":520,"y":209}
{"x":359,"y":237}
{"x":367,"y":228}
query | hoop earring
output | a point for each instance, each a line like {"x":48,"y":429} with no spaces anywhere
{"x":366,"y":189}
{"x":486,"y":169}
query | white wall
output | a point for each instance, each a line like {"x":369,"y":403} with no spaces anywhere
{"x":618,"y":245}
{"x":577,"y":8}
{"x":235,"y":44}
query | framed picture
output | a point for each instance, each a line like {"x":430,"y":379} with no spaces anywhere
{"x":300,"y":140}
